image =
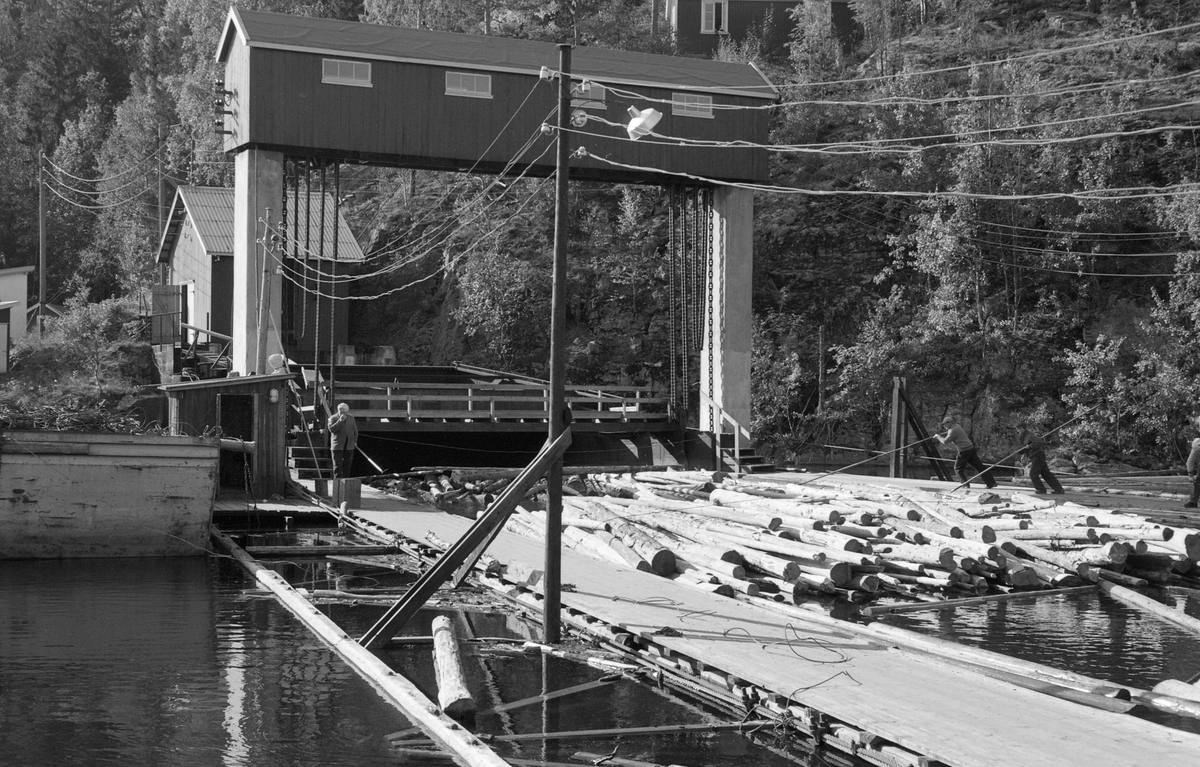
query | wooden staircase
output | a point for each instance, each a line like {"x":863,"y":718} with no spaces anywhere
{"x":747,"y":458}
{"x":310,"y":461}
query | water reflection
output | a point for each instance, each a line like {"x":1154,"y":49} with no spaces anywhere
{"x":161,"y":662}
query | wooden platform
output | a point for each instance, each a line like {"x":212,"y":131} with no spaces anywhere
{"x":949,"y":714}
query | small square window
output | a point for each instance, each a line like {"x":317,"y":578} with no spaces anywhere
{"x":468,"y":84}
{"x":691,"y":105}
{"x":342,"y":72}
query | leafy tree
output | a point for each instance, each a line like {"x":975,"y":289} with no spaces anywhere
{"x":94,"y":347}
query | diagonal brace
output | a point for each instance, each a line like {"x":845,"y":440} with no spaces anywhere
{"x":467,"y":550}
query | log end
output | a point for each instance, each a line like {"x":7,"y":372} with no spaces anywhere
{"x":663,"y":562}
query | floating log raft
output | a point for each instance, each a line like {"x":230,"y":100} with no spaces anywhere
{"x":792,"y":541}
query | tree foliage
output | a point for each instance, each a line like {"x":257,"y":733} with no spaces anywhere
{"x":936,"y":244}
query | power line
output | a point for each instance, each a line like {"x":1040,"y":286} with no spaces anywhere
{"x":885,"y":145}
{"x":1023,"y":57}
{"x":979,"y":222}
{"x":132,"y":168}
{"x":295,"y":275}
{"x":891,"y":101}
{"x":447,"y":230}
{"x":1114,"y":194}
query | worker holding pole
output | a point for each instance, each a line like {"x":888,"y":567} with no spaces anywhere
{"x":967,"y":454}
{"x":1034,"y":448}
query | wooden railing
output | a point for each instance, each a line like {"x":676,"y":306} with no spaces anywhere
{"x":720,"y":419}
{"x":397,"y":401}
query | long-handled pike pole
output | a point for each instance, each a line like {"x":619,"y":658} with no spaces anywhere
{"x":1022,"y":447}
{"x":860,"y":463}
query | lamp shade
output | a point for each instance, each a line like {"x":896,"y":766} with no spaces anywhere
{"x":643,"y":122}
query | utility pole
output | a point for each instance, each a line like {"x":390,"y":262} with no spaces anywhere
{"x":820,"y":369}
{"x":556,"y":407}
{"x":41,"y":243}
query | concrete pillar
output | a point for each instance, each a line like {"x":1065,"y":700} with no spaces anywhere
{"x":257,"y":284}
{"x":725,"y":359}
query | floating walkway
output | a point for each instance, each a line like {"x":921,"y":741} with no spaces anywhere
{"x":828,"y":678}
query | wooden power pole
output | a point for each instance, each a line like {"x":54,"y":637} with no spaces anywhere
{"x":556,"y":409}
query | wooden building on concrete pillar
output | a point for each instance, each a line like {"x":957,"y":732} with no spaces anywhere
{"x":445,"y":101}
{"x":197,"y":252}
{"x":249,"y":414}
{"x":324,"y":92}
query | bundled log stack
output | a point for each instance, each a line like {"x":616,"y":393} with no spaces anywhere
{"x":856,"y":542}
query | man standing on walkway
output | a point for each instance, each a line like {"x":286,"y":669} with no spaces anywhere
{"x":1034,"y":448}
{"x":967,"y":454}
{"x":343,"y":439}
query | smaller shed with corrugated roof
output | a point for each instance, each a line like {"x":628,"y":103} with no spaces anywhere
{"x":197,"y":253}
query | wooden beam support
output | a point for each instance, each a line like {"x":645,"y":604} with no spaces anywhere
{"x":467,"y":549}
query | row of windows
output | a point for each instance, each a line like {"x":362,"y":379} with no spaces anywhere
{"x":588,"y":95}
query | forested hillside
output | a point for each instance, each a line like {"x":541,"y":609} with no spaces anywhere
{"x":995,"y":200}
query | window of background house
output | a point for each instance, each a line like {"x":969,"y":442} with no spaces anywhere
{"x":714,"y":18}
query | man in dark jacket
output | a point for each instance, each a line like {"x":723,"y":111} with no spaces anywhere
{"x":967,"y":454}
{"x":343,"y":439}
{"x":1034,"y":448}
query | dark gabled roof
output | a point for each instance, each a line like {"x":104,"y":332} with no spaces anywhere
{"x":211,"y":211}
{"x":482,"y":52}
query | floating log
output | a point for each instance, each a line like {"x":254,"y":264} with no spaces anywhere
{"x":795,"y":589}
{"x":748,"y":516}
{"x":775,"y":505}
{"x":771,"y":565}
{"x":1148,"y":605}
{"x":858,"y":531}
{"x":1178,"y":689}
{"x":662,"y":560}
{"x":838,"y":573}
{"x":1129,"y":581}
{"x":939,"y":556}
{"x":588,"y":544}
{"x":968,"y":601}
{"x":260,"y":552}
{"x":609,"y":759}
{"x":815,"y":582}
{"x":631,"y":557}
{"x":1176,"y":563}
{"x":1077,"y":565}
{"x":705,"y":584}
{"x":696,"y":560}
{"x":453,"y":696}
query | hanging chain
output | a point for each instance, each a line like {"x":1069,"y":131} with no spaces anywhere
{"x":711,"y":294}
{"x":247,"y":477}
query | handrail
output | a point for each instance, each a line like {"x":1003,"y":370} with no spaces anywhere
{"x":206,"y":331}
{"x":719,"y":429}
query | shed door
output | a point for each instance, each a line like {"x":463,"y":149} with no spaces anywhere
{"x":166,"y":304}
{"x":221,"y":320}
{"x":235,"y":416}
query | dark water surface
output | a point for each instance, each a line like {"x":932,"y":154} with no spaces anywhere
{"x":161,"y":662}
{"x":129,"y":662}
{"x":170,"y":662}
